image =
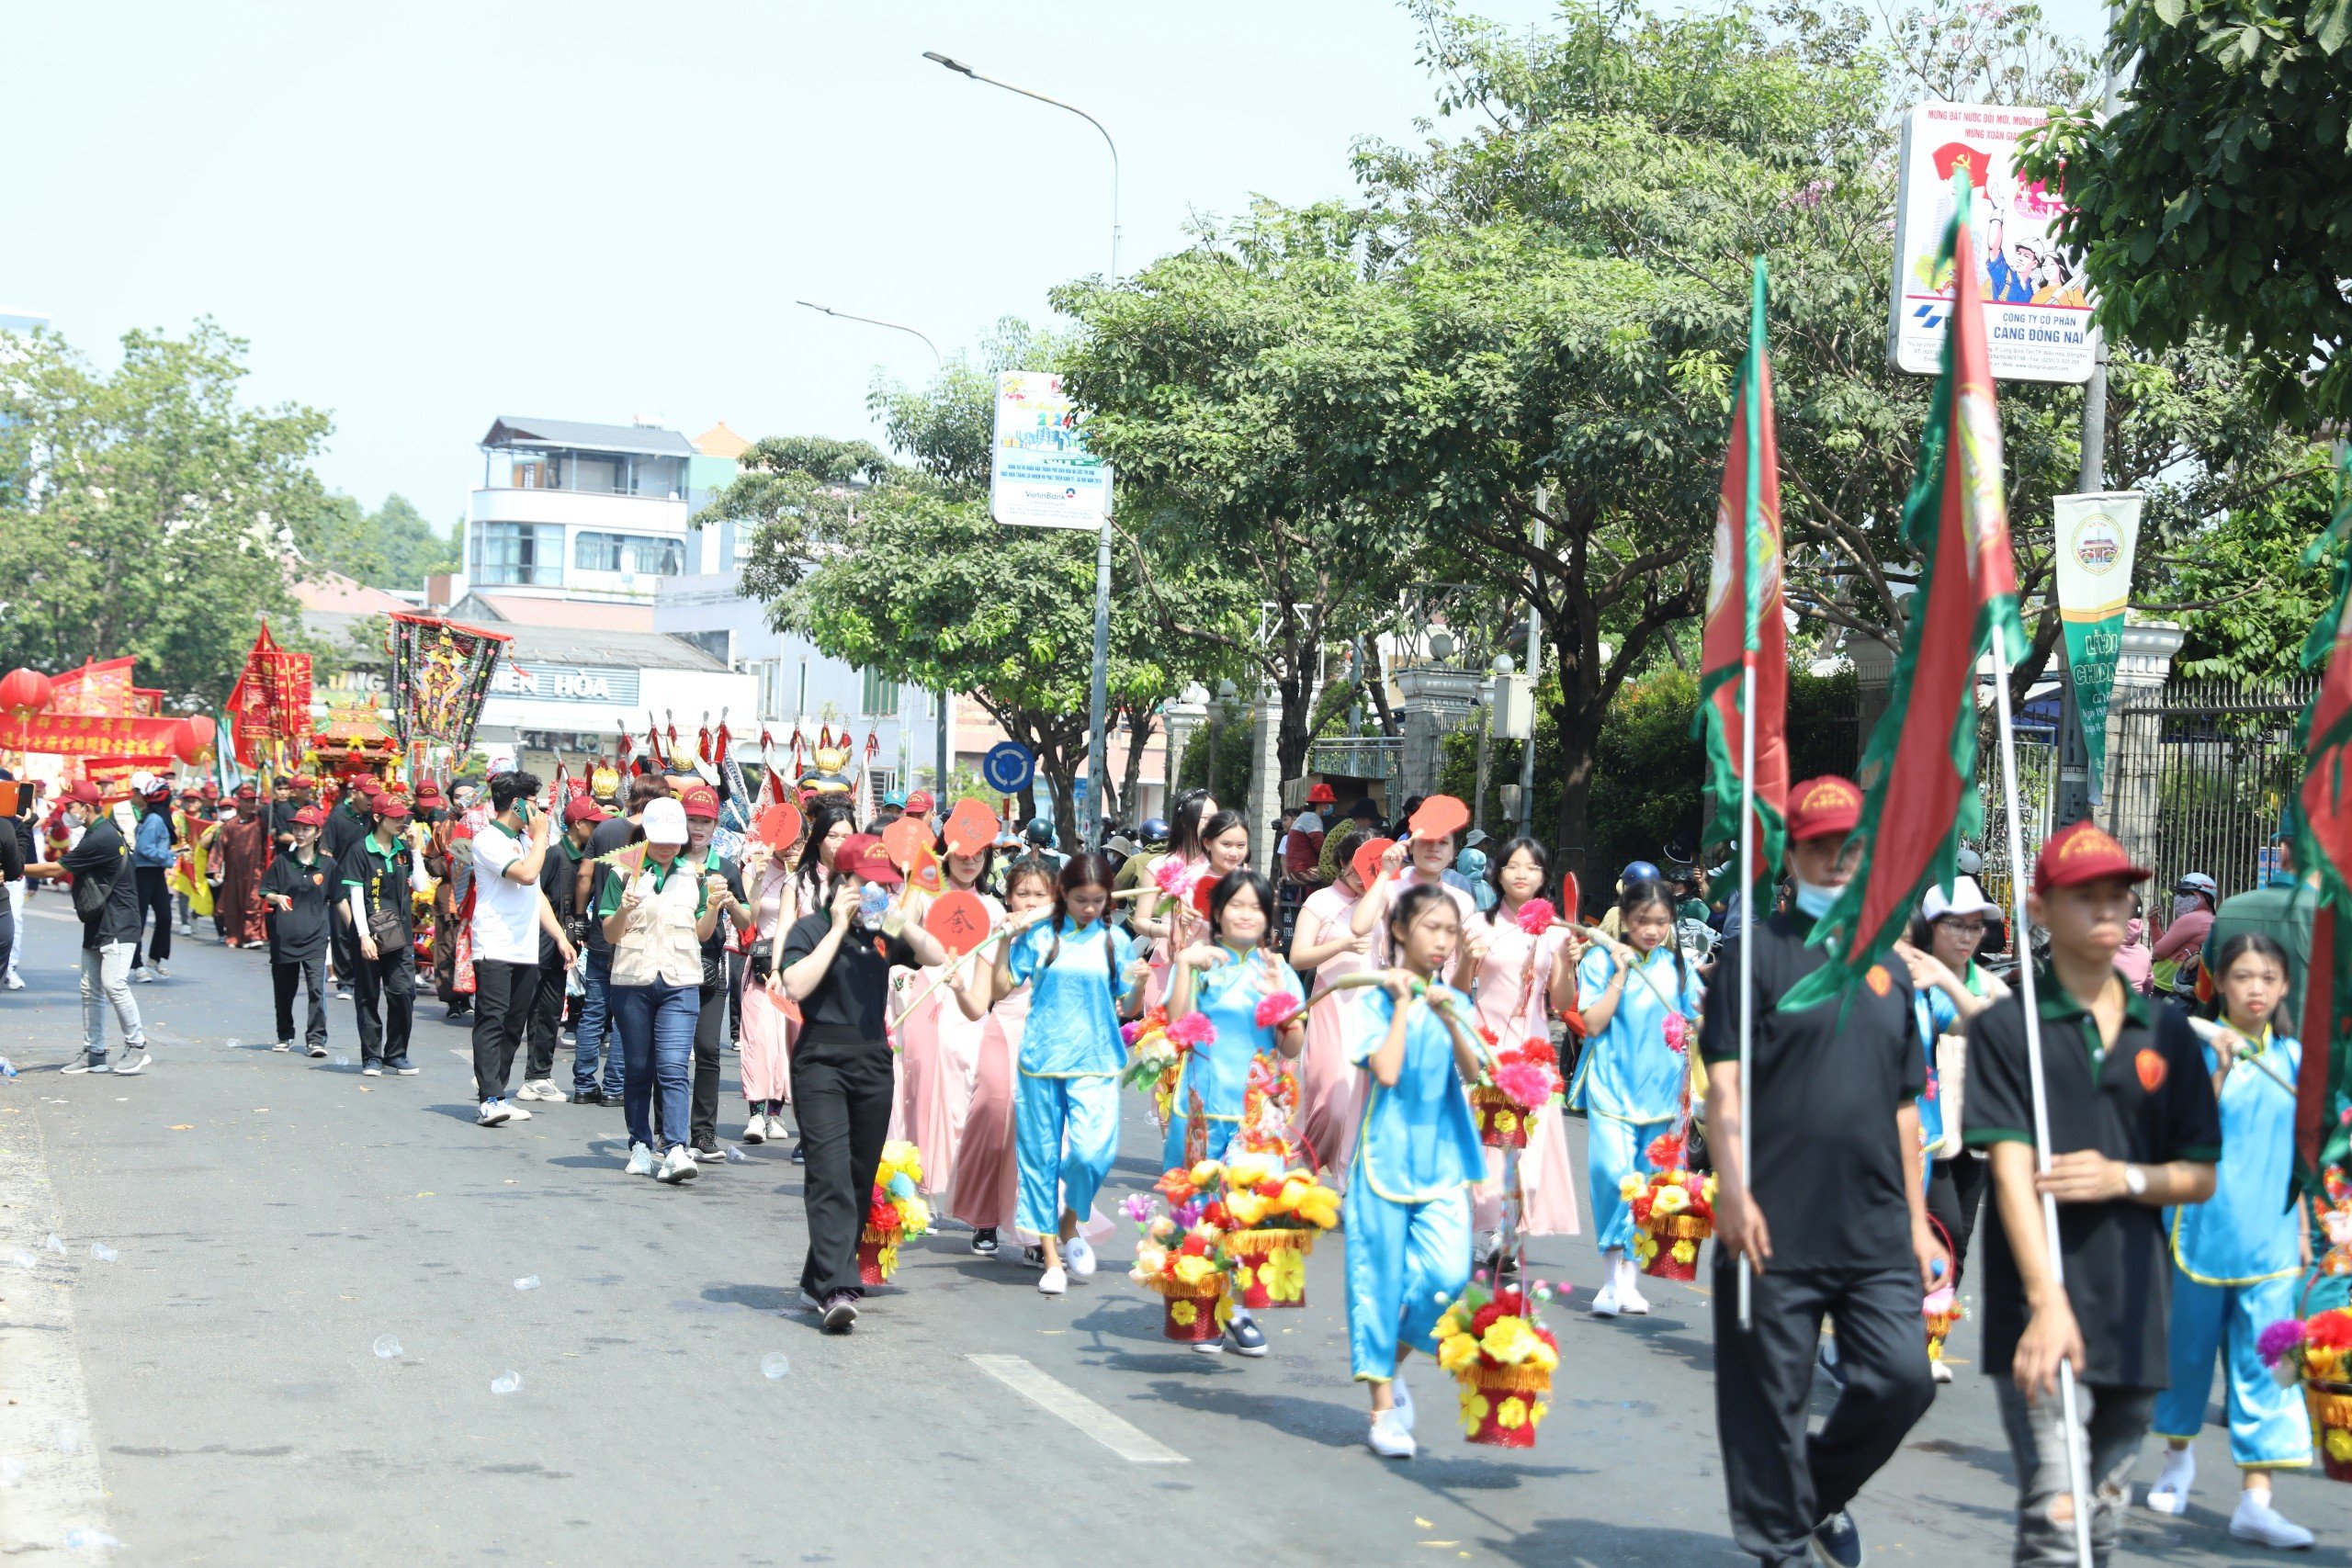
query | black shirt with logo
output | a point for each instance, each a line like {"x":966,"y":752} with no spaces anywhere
{"x":381,"y":876}
{"x":849,"y":1004}
{"x":1826,"y":1157}
{"x":2145,"y":1100}
{"x":300,"y":934}
{"x":612,"y":834}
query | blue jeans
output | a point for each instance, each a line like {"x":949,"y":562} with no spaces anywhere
{"x":656,"y":1024}
{"x":596,"y":1026}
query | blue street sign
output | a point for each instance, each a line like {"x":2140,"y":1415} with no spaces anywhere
{"x":1008,"y":767}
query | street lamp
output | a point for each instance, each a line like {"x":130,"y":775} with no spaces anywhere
{"x":877,"y":321}
{"x":1098,"y":703}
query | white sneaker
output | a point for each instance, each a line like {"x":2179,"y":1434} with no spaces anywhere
{"x":156,"y":968}
{"x":2169,"y":1494}
{"x":515,"y":1113}
{"x":143,"y":975}
{"x":1078,"y":1253}
{"x":2258,"y":1521}
{"x":1390,"y":1439}
{"x":678,"y":1166}
{"x":1604,"y":1301}
{"x":1054,"y":1280}
{"x":16,"y":983}
{"x":371,"y":1071}
{"x":136,"y":1062}
{"x":778,"y":1131}
{"x":283,"y":1045}
{"x":1404,"y":1398}
{"x":755,"y":1129}
{"x":640,"y":1160}
{"x":1940,"y":1372}
{"x":493,"y":1113}
{"x":1629,"y":1292}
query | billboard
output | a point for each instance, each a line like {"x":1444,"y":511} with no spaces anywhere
{"x":1040,"y":475}
{"x":2037,"y":308}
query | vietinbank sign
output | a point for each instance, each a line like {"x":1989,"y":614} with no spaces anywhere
{"x":538,"y":681}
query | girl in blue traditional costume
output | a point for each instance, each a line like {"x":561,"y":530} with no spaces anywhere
{"x":1632,"y":1079}
{"x":1416,"y":1153}
{"x":2238,"y":1257}
{"x":1066,"y":1121}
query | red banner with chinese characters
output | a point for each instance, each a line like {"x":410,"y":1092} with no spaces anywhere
{"x":271,"y":701}
{"x":91,"y":735}
{"x":102,"y":691}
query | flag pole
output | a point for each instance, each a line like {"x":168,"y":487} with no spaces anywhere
{"x":2021,"y":943}
{"x":1747,"y":958}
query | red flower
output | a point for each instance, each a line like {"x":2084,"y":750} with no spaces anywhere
{"x":1536,"y":916}
{"x":2330,"y":1330}
{"x":1277,"y":1009}
{"x":1219,"y":1215}
{"x":1484,"y":1318}
{"x":1193,"y":1246}
{"x":1512,"y":1303}
{"x":1270,"y":1189}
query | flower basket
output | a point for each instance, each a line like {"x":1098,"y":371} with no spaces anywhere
{"x":2331,"y":1407}
{"x":878,"y":1255}
{"x":1502,"y":1121}
{"x":1669,"y":1245}
{"x":1193,"y":1315}
{"x":1502,"y":1406}
{"x":1938,"y":1327}
{"x":1270,"y":1267}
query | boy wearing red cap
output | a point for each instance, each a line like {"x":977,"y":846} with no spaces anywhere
{"x":297,"y":890}
{"x":380,"y":874}
{"x":1831,"y":1212}
{"x":2133,"y":1129}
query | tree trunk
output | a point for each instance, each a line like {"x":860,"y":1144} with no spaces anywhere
{"x":1296,"y":691}
{"x":1579,"y":731}
{"x":1140,"y":724}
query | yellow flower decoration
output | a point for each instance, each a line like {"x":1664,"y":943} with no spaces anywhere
{"x":1644,"y":1247}
{"x":1193,"y":1271}
{"x":1224,"y":1311}
{"x":1247,"y":1209}
{"x":1457,"y":1351}
{"x":1509,"y":1341}
{"x":1631,"y":1188}
{"x":1685,"y":1250}
{"x":1183,"y":1314}
{"x":1669,"y":1200}
{"x":1512,"y":1416}
{"x":888,"y":1261}
{"x":1546,"y":1357}
{"x":1244,"y":1277}
{"x":1504,"y":1122}
{"x":2339,"y":1444}
{"x":1208,"y":1170}
{"x":1251,"y":1169}
{"x":1474,"y":1410}
{"x":1540,"y":1411}
{"x":1285,"y":1275}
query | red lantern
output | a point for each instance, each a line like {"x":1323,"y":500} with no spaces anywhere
{"x":25,"y":692}
{"x":182,"y":740}
{"x":206,"y":732}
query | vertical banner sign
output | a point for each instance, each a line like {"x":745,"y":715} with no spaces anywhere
{"x":1040,"y":474}
{"x":2095,"y":536}
{"x":2037,"y":305}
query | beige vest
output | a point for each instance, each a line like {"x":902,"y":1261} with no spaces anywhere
{"x":660,"y":943}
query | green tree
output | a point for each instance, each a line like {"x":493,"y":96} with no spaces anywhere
{"x":147,"y":511}
{"x":394,"y":548}
{"x":2215,"y":195}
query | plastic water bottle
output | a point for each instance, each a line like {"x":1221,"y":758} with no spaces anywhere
{"x":528,"y":1283}
{"x":774,"y":1364}
{"x":7,"y":1068}
{"x":387,"y":1348}
{"x":508,"y":1383}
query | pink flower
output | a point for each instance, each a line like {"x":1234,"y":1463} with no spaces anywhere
{"x":1168,"y":873}
{"x":1129,"y":1031}
{"x":1192,"y":1029}
{"x":1136,"y":1208}
{"x":1678,"y":1031}
{"x":2278,"y":1340}
{"x":1527,"y":1083}
{"x":1277,"y":1009}
{"x":1537,"y":916}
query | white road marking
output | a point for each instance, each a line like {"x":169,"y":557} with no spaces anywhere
{"x":1121,"y":1437}
{"x":53,"y":915}
{"x":46,"y":1421}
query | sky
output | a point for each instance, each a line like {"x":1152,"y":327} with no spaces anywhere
{"x":427,"y":216}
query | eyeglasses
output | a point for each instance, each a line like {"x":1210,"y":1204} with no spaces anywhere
{"x":1963,"y":928}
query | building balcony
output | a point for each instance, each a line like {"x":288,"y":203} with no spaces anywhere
{"x":580,"y":509}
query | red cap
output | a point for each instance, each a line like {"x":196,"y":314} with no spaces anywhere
{"x":700,"y":800}
{"x":1825,"y":808}
{"x":1320,"y":795}
{"x":247,"y":791}
{"x":428,"y":794}
{"x":579,"y":809}
{"x":309,"y":817}
{"x":389,"y":803}
{"x":85,"y":793}
{"x":366,"y":783}
{"x":863,"y":854}
{"x":210,"y":791}
{"x":2083,"y":852}
{"x":920,"y":803}
{"x":301,"y":781}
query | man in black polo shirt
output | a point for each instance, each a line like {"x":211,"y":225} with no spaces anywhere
{"x":1834,"y":1217}
{"x":347,"y":824}
{"x":2133,"y":1128}
{"x":380,"y":874}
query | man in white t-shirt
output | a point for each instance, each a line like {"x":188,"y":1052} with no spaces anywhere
{"x":509,"y":913}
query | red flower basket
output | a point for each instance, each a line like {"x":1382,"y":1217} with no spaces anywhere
{"x":1502,"y":1406}
{"x":1192,"y":1316}
{"x":2331,"y":1409}
{"x":1268,"y":1267}
{"x":1675,"y":1235}
{"x":1502,"y":1121}
{"x":878,"y":1256}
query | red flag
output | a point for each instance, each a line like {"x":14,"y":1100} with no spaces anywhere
{"x":2324,"y":853}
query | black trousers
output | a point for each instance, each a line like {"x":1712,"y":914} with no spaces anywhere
{"x":155,"y":898}
{"x":841,"y":1093}
{"x":503,"y":994}
{"x":309,"y":974}
{"x":383,"y":993}
{"x":343,"y":938}
{"x":710,"y":1034}
{"x":1955,"y":1197}
{"x":544,"y":1028}
{"x":1783,"y":1483}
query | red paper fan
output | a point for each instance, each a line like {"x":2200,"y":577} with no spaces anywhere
{"x":958,"y":920}
{"x":1367,"y":861}
{"x":971,"y":828}
{"x":779,"y":827}
{"x":1440,"y":816}
{"x":905,"y":841}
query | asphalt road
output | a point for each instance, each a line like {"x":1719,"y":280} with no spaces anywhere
{"x":214,"y":1394}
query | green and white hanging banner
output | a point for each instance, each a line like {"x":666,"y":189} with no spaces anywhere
{"x":2096,"y":537}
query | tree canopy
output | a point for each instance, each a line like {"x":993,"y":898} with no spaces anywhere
{"x":393,"y":547}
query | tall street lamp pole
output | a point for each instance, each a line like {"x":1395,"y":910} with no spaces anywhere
{"x":946,"y":757}
{"x":1098,"y":705}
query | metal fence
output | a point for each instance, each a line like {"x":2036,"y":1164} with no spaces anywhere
{"x":2199,"y":776}
{"x":2037,"y":798}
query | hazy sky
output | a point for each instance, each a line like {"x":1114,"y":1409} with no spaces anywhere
{"x":424,"y":216}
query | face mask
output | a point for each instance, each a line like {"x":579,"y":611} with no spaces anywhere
{"x":2132,"y":929}
{"x":1815,"y":901}
{"x":2188,"y":903}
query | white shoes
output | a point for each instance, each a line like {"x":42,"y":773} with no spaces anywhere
{"x":755,"y":1129}
{"x":283,"y":1045}
{"x":1079,"y":1257}
{"x":1604,"y":1301}
{"x":144,"y":975}
{"x":640,"y":1160}
{"x":493,"y":1113}
{"x":1629,"y":1290}
{"x":1940,"y":1372}
{"x":1390,"y":1439}
{"x":1054,"y":1280}
{"x":135,"y":1061}
{"x":2170,"y":1493}
{"x":678,"y":1166}
{"x":778,"y":1131}
{"x":540,"y":1089}
{"x":2258,"y":1521}
{"x":156,"y":969}
{"x":1404,"y":1398}
{"x":513,"y":1112}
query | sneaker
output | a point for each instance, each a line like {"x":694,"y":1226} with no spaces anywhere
{"x":543,"y":1090}
{"x":678,"y":1166}
{"x":798,"y":1155}
{"x":283,"y":1045}
{"x":810,"y":1302}
{"x":1404,"y":1398}
{"x":318,"y":1051}
{"x":97,"y":1065}
{"x":1604,"y":1301}
{"x":406,"y":1071}
{"x":342,"y":992}
{"x":1246,"y":1336}
{"x":493,"y":1113}
{"x":840,"y":1313}
{"x":1490,"y":1249}
{"x":984,"y":1242}
{"x":778,"y":1131}
{"x":371,"y":1071}
{"x":1390,"y":1439}
{"x":1837,"y":1542}
{"x":1629,"y":1295}
{"x":136,"y":1061}
{"x":706,"y":1154}
{"x":1031,"y":1256}
{"x":1054,"y":1280}
{"x":2258,"y":1521}
{"x":1939,"y":1371}
{"x":15,"y":982}
{"x":2170,"y":1493}
{"x":513,"y":1112}
{"x":1079,"y":1255}
{"x":1210,"y":1347}
{"x":155,"y":967}
{"x":143,"y":975}
{"x":640,"y":1163}
{"x":755,"y":1129}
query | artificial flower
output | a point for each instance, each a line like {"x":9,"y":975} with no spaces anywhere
{"x":1284,"y":1273}
{"x":1192,"y":1029}
{"x":1208,"y":1170}
{"x":1183,"y":1314}
{"x":1163,"y":1229}
{"x":1193,"y":1246}
{"x":1244,"y":1276}
{"x":1175,"y":1185}
{"x":1150,"y":1261}
{"x":1509,"y":1341}
{"x":1511,"y":1414}
{"x":1137,"y":1207}
{"x":1537,"y":916}
{"x":2278,"y":1341}
{"x":1474,"y":1410}
{"x":1678,"y":1031}
{"x":1247,"y":1209}
{"x":1631,"y":1188}
{"x":1277,"y":1009}
{"x":1192,"y":1270}
{"x":1685,"y":1251}
{"x":1457,"y":1351}
{"x":1223,"y":1309}
{"x":1251,"y":1169}
{"x":1527,"y":1083}
{"x":2339,"y":1444}
{"x":1669,"y":1200}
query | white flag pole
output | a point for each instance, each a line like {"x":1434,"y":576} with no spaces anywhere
{"x":2021,"y":944}
{"x":1746,"y":958}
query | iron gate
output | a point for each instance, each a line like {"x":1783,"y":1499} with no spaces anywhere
{"x":2199,"y":776}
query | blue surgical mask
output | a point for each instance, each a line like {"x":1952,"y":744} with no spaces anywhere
{"x":1815,"y":901}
